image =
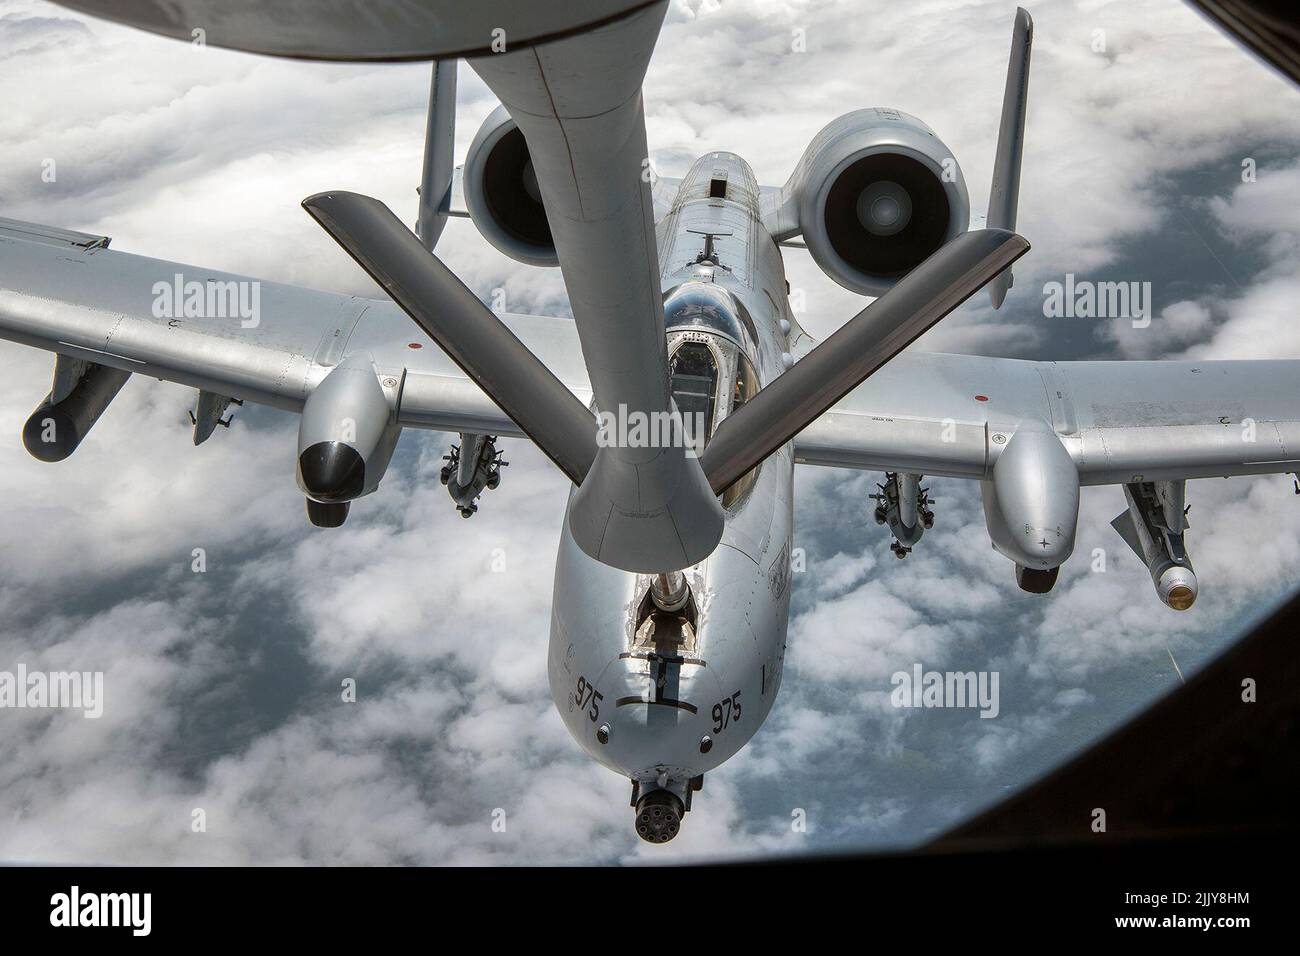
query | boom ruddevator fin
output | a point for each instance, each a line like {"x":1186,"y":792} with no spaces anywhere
{"x":466,"y":329}
{"x":875,"y":335}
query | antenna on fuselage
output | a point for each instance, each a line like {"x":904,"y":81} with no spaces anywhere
{"x":709,"y":254}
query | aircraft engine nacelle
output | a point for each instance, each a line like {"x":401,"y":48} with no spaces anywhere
{"x":501,"y":193}
{"x":1031,"y":505}
{"x":57,"y":426}
{"x":346,"y":438}
{"x":875,"y":193}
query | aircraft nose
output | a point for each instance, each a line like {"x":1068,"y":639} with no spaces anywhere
{"x":332,"y":471}
{"x":652,"y":714}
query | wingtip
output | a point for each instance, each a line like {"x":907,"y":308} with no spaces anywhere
{"x":1023,"y":31}
{"x":314,"y":199}
{"x":318,"y":200}
{"x":1001,"y":234}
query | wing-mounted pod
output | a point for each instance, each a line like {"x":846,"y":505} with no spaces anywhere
{"x":1031,"y":504}
{"x":502,"y":195}
{"x":346,"y":438}
{"x":874,"y":195}
{"x":904,"y":506}
{"x":1153,"y":527}
{"x":81,"y":392}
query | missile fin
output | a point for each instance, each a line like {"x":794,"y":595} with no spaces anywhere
{"x":1123,"y":523}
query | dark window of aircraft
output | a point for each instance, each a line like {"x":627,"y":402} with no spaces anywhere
{"x":746,"y":383}
{"x":746,"y":387}
{"x":694,"y":385}
{"x":717,"y":189}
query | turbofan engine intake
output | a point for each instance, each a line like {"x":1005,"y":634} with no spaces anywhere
{"x":875,"y":193}
{"x":502,"y":195}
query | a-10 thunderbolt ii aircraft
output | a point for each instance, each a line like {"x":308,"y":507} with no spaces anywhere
{"x":682,"y":394}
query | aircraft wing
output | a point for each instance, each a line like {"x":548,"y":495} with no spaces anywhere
{"x":264,"y":342}
{"x":1120,"y":422}
{"x":931,"y":414}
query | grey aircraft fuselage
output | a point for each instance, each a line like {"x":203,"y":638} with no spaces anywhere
{"x":669,"y":713}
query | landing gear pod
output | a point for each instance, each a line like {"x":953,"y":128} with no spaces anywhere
{"x":345,"y":439}
{"x":58,"y":425}
{"x":1035,"y":581}
{"x":327,"y":515}
{"x":1031,"y":506}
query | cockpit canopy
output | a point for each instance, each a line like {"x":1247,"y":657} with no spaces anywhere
{"x":711,"y":346}
{"x":710,"y":308}
{"x":694,"y":374}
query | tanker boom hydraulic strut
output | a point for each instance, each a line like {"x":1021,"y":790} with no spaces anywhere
{"x":904,"y":505}
{"x":471,"y":466}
